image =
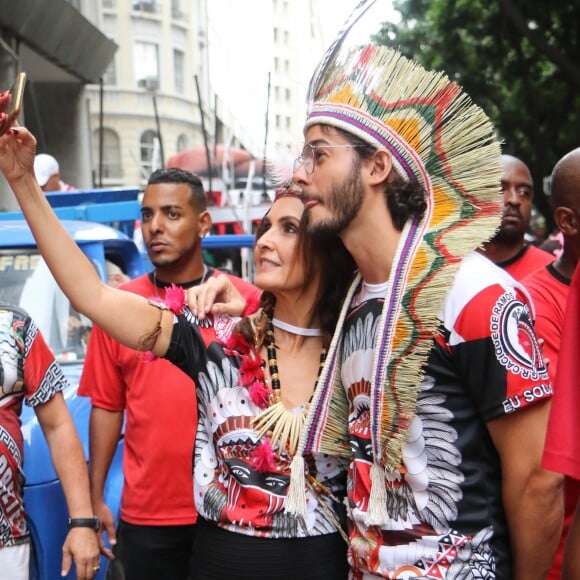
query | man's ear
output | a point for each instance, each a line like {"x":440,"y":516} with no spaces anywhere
{"x":205,"y":224}
{"x":379,"y":166}
{"x":566,"y":220}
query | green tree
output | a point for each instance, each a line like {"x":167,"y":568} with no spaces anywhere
{"x":518,"y":59}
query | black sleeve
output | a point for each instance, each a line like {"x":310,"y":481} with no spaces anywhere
{"x":187,"y":349}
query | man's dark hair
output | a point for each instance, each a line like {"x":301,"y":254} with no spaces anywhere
{"x":405,"y":198}
{"x":176,"y":175}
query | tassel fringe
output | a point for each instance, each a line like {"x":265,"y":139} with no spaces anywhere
{"x":296,"y":498}
{"x":377,"y":514}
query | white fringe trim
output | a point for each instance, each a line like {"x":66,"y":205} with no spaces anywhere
{"x":377,"y":514}
{"x":296,"y":498}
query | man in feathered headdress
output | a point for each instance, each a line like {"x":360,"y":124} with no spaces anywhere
{"x":447,"y":393}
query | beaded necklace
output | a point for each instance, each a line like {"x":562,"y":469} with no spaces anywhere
{"x":281,"y":425}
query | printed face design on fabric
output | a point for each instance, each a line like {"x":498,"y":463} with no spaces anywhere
{"x":248,"y":490}
{"x":515,"y":342}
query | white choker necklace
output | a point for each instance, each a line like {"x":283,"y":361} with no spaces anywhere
{"x":296,"y":329}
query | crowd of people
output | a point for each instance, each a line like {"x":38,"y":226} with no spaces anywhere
{"x":378,"y":405}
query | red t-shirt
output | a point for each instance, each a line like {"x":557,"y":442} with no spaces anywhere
{"x":160,"y":419}
{"x":549,"y":292}
{"x":527,"y":261}
{"x":562,"y":449}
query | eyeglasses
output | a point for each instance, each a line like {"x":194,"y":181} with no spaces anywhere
{"x":308,"y":158}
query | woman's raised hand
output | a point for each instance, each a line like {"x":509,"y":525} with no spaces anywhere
{"x":217,"y":295}
{"x":17,"y":149}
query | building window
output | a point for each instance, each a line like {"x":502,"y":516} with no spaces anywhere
{"x":288,"y":123}
{"x":109,"y":4}
{"x":177,"y":12}
{"x":288,"y":95}
{"x":277,"y":121}
{"x":145,"y":6}
{"x":179,"y":71}
{"x":112,"y":168}
{"x":275,"y":34}
{"x":146,"y":65}
{"x":182,"y":143}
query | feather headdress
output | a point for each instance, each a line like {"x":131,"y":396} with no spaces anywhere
{"x":438,"y":136}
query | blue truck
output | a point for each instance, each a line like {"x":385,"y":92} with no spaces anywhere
{"x":102,"y":224}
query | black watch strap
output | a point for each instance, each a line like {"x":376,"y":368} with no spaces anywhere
{"x":92,"y":523}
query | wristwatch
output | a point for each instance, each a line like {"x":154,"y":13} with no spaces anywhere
{"x":92,"y":523}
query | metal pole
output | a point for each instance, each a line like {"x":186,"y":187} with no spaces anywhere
{"x":266,"y":139}
{"x":215,"y":127}
{"x":158,"y":125}
{"x":101,"y":131}
{"x":204,"y":133}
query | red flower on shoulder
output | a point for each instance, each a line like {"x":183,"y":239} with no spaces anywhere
{"x":237,"y":343}
{"x":175,"y":298}
{"x":259,"y":393}
{"x":251,"y":368}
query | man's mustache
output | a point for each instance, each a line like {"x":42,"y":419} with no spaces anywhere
{"x":512,"y":212}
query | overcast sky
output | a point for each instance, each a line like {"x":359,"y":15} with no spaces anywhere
{"x":246,"y":85}
{"x":335,"y":12}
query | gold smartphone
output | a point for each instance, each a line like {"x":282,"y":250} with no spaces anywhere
{"x":17,"y":96}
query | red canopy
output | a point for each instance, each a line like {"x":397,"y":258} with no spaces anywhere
{"x":195,"y":159}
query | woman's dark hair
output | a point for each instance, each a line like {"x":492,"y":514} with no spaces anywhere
{"x":326,"y":258}
{"x":405,"y":199}
{"x":337,"y":268}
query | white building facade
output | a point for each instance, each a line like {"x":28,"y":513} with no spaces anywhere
{"x":234,"y":53}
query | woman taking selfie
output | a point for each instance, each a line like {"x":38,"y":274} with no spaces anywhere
{"x":254,"y":377}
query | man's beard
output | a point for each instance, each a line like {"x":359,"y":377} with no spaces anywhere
{"x":343,"y":202}
{"x":508,"y":235}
